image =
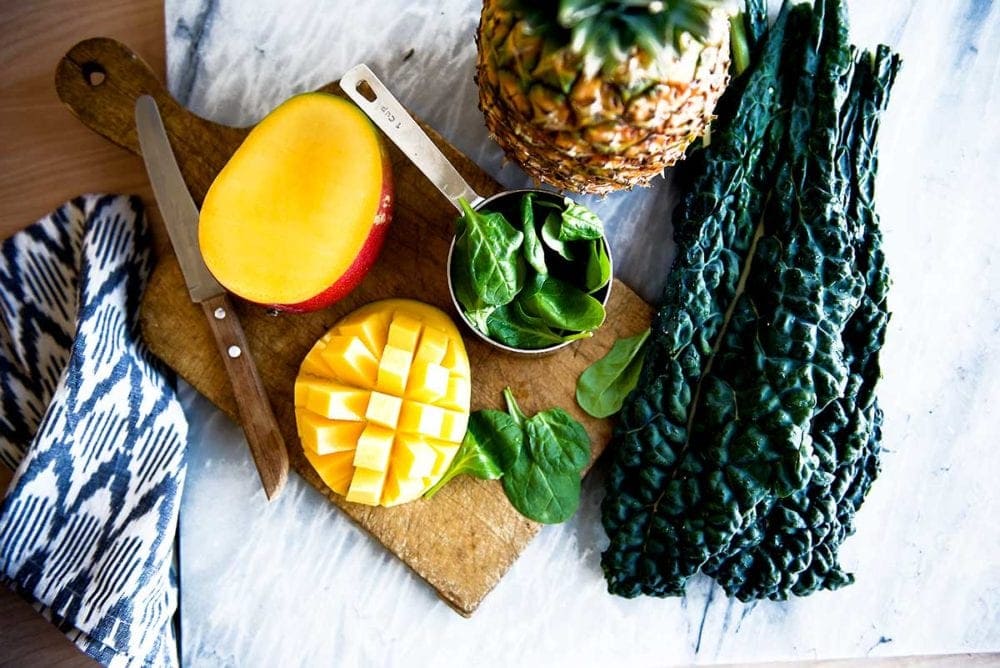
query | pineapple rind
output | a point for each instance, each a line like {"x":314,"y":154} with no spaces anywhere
{"x":595,"y":133}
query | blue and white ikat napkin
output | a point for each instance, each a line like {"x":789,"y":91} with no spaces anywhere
{"x":92,"y":425}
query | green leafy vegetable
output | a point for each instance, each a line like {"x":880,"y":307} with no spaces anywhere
{"x":544,"y":496}
{"x":540,"y":458}
{"x":753,"y":434}
{"x":598,"y":267}
{"x":550,"y":235}
{"x":561,"y":305}
{"x":579,"y":223}
{"x":544,"y":482}
{"x":512,"y":326}
{"x":603,"y":386}
{"x":491,"y":445}
{"x":529,"y":288}
{"x":533,"y":251}
{"x":488,"y":269}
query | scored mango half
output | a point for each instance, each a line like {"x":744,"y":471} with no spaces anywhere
{"x":382,"y":401}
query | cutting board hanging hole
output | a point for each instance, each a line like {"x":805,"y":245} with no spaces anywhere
{"x":94,"y":74}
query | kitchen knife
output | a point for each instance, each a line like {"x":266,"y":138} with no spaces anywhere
{"x":180,"y":214}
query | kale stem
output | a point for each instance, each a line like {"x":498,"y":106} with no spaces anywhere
{"x":738,"y":43}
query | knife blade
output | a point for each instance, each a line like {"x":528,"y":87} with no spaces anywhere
{"x":180,"y":215}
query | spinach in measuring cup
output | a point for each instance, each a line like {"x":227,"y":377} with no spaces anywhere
{"x":532,"y":276}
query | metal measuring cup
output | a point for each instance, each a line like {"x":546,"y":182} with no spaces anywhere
{"x":362,"y":86}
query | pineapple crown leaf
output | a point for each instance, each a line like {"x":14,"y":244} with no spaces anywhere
{"x":604,"y":31}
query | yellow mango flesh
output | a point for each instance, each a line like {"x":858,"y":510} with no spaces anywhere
{"x":382,"y":401}
{"x":291,"y":210}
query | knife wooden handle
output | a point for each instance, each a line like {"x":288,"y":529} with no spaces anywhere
{"x":259,"y":425}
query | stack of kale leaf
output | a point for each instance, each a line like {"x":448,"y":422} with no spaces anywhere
{"x":753,"y":434}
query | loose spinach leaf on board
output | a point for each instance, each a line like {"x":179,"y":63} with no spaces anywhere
{"x":512,"y":326}
{"x":488,"y":269}
{"x":598,"y":272}
{"x":544,"y":482}
{"x":534,"y":253}
{"x":603,"y":386}
{"x":579,"y":223}
{"x":557,"y":442}
{"x":546,"y":497}
{"x":561,"y":305}
{"x":550,"y":235}
{"x":492,"y":443}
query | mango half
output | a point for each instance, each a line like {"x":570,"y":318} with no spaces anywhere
{"x":298,"y":215}
{"x":382,"y":401}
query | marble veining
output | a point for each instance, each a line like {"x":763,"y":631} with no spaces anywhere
{"x":295,"y":582}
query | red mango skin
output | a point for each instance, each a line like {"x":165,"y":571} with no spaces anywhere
{"x":366,"y":256}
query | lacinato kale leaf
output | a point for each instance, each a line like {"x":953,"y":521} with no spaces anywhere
{"x":752,"y":435}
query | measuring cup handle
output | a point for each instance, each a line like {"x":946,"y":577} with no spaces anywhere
{"x":397,"y":124}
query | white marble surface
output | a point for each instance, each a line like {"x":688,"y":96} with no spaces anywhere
{"x":294,"y":582}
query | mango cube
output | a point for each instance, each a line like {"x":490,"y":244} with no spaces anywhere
{"x":428,"y":382}
{"x":324,"y":436}
{"x":399,"y":489}
{"x":404,"y":332}
{"x":418,"y":418}
{"x":383,"y":409}
{"x":443,"y":454}
{"x":366,"y":487}
{"x":313,"y":364}
{"x":374,"y":448}
{"x":351,"y":361}
{"x":453,"y":425}
{"x":330,"y":399}
{"x":393,"y":370}
{"x":456,"y":359}
{"x":335,"y":470}
{"x":371,"y":331}
{"x":382,"y":401}
{"x":457,"y":393}
{"x":413,"y":456}
{"x":432,"y":347}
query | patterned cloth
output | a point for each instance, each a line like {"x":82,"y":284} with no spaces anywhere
{"x":95,"y":431}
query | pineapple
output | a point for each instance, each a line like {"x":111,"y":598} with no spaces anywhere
{"x":599,"y":95}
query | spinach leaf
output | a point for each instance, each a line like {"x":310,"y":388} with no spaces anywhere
{"x":534,"y":253}
{"x":480,"y":318}
{"x":549,"y":498}
{"x":561,"y":305}
{"x":544,"y":482}
{"x":598,"y":272}
{"x":603,"y":386}
{"x":557,"y":442}
{"x":491,"y":445}
{"x":512,"y":326}
{"x":488,"y":269}
{"x":579,"y":223}
{"x":550,"y":235}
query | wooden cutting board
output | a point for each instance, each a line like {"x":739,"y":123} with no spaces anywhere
{"x":464,"y":540}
